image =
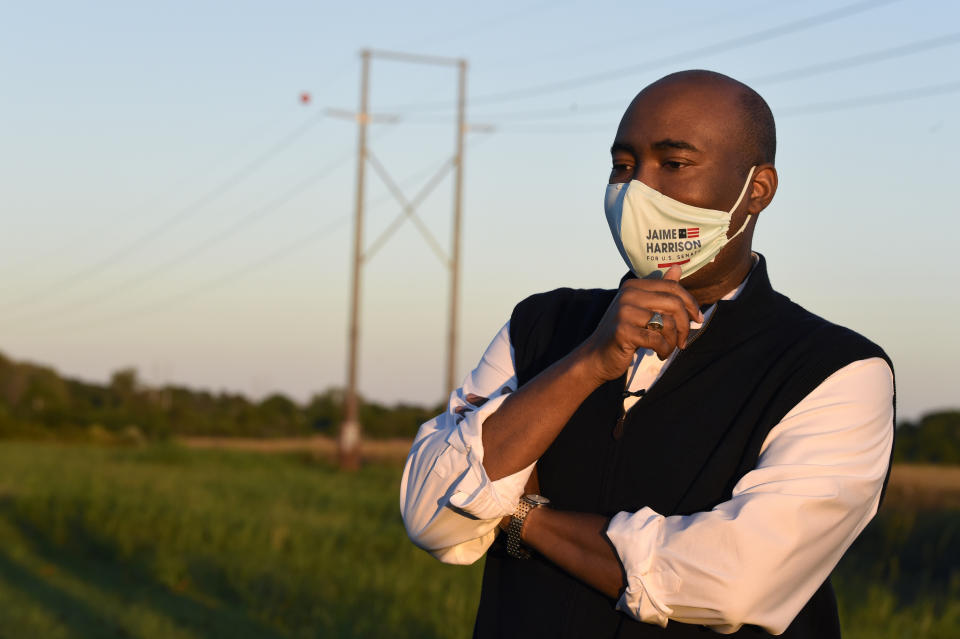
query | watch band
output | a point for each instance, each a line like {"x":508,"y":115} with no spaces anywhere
{"x":515,"y":546}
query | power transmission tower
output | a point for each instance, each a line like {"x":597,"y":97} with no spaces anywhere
{"x":350,"y":429}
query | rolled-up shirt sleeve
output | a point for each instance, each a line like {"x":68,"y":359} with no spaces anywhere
{"x":759,"y":557}
{"x":450,"y":506}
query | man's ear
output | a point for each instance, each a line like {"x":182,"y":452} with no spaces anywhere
{"x":762,"y":188}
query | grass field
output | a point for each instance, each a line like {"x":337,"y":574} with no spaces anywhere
{"x":166,"y":541}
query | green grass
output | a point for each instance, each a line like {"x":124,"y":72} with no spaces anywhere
{"x":901,"y":578}
{"x":166,"y":542}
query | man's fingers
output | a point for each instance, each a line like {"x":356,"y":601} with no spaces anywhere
{"x":639,"y":336}
{"x":673,"y":273}
{"x":658,"y":342}
{"x":668,"y":305}
{"x":637,"y":287}
{"x":674,"y":310}
{"x":633,"y":322}
{"x":623,"y":328}
{"x":669,"y":334}
{"x":683,"y":330}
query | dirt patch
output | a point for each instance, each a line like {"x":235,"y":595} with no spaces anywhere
{"x":919,"y":486}
{"x":924,"y":486}
{"x":372,"y":449}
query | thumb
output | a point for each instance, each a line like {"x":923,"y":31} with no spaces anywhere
{"x":673,"y":273}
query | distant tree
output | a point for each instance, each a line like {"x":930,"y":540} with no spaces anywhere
{"x":400,"y":420}
{"x":934,"y":440}
{"x":124,"y":382}
{"x":324,"y":411}
{"x":279,"y":415}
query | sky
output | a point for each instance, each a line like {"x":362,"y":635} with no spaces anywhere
{"x":169,"y":202}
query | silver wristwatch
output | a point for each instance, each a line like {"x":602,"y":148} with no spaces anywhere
{"x":515,"y":547}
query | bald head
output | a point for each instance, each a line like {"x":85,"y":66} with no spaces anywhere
{"x":752,"y":126}
{"x":693,"y":136}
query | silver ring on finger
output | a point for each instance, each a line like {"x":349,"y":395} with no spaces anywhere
{"x":655,"y":323}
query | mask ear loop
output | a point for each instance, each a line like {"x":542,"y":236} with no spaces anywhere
{"x":743,"y":192}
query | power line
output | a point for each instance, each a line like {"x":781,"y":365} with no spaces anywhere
{"x":568,"y":50}
{"x":230,"y":276}
{"x":873,"y":100}
{"x":858,"y":60}
{"x":212,"y":166}
{"x":198,"y":248}
{"x":803,"y":109}
{"x":251,"y":134}
{"x":173,"y":221}
{"x":713,"y":49}
{"x":193,"y":251}
{"x":772,"y":78}
{"x":277,"y":255}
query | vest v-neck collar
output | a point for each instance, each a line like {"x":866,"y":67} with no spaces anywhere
{"x":731,"y":322}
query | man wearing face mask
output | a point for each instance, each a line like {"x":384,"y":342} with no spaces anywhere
{"x":691,"y":449}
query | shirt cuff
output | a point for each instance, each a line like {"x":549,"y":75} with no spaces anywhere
{"x":635,"y":536}
{"x":475,"y":494}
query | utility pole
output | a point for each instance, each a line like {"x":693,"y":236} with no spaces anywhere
{"x":457,"y":214}
{"x":350,"y":429}
{"x":349,"y":441}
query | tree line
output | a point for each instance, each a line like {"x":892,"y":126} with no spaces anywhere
{"x":35,"y":401}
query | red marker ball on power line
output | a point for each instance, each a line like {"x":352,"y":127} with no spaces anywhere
{"x":304,"y":98}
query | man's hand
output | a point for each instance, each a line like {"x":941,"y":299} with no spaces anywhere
{"x":622,"y":330}
{"x":527,"y":422}
{"x":576,"y":542}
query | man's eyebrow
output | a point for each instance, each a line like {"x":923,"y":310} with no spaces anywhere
{"x":667,"y":143}
{"x":622,"y":146}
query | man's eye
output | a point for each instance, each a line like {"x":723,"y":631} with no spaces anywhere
{"x":673,"y":164}
{"x":621,"y":167}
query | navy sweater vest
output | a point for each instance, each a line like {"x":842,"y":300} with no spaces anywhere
{"x":682,"y":448}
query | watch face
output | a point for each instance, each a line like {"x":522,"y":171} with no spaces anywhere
{"x":540,"y":500}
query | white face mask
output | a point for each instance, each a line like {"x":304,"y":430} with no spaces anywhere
{"x":654,"y":232}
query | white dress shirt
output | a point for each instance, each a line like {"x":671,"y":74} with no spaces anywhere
{"x":755,"y":559}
